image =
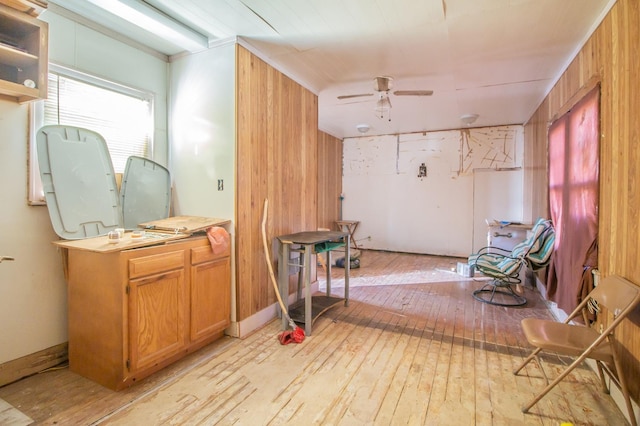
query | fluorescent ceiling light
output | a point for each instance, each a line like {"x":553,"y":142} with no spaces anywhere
{"x":152,"y":20}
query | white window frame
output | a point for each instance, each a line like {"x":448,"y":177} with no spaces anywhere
{"x":35,"y":196}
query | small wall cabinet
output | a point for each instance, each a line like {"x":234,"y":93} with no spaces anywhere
{"x":30,"y":7}
{"x":135,"y":311}
{"x":23,"y":54}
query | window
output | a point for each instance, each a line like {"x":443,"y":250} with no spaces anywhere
{"x":122,"y":115}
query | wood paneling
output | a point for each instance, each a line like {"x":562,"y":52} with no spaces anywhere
{"x":329,"y":180}
{"x":536,"y":202}
{"x":277,"y":145}
{"x":610,"y":57}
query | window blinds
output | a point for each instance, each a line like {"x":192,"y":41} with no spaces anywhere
{"x":124,"y":121}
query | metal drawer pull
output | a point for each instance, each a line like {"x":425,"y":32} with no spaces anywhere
{"x":497,"y":234}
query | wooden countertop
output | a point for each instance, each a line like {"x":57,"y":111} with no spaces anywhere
{"x":156,"y":232}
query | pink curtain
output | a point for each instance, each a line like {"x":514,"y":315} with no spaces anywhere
{"x":573,"y":201}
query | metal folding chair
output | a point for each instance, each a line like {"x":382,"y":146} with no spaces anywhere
{"x":620,"y":297}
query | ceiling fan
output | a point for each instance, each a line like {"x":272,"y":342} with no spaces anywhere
{"x":383,"y":85}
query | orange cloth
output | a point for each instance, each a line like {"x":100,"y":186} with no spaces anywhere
{"x":219,"y":239}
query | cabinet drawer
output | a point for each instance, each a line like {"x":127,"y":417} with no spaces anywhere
{"x":205,"y":254}
{"x":156,"y":263}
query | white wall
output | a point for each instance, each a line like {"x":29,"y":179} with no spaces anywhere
{"x":497,"y":196}
{"x":33,"y":310}
{"x":83,"y":49}
{"x":203,"y":139}
{"x":202,"y":131}
{"x":32,"y":288}
{"x":434,"y":214}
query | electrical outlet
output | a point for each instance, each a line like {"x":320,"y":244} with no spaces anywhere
{"x":220,"y":184}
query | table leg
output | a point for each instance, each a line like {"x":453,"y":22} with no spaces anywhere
{"x":283,"y":279}
{"x":300,"y":276}
{"x":349,"y":227}
{"x":347,"y":270}
{"x":308,"y":318}
{"x":352,"y":230}
{"x":328,"y":272}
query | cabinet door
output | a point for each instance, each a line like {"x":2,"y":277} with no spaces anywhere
{"x":210,"y":298}
{"x":156,"y":318}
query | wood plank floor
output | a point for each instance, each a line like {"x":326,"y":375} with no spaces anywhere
{"x":414,"y":349}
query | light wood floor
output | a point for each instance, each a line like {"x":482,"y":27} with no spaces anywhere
{"x":402,"y":353}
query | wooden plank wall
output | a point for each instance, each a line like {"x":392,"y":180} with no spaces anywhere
{"x":536,"y":201}
{"x":277,"y":145}
{"x":329,"y":180}
{"x":611,"y":58}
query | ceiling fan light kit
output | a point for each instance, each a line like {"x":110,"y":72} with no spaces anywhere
{"x":383,"y":105}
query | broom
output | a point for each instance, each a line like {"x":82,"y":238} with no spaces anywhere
{"x":297,"y":334}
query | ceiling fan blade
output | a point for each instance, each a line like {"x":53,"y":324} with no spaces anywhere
{"x":354,"y":96}
{"x":413,"y":92}
{"x":346,"y":102}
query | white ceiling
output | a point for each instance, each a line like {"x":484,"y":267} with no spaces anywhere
{"x":495,"y":58}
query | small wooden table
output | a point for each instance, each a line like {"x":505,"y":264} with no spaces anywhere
{"x":309,"y":243}
{"x":349,"y":226}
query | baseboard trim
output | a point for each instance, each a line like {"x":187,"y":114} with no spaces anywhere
{"x":33,"y":363}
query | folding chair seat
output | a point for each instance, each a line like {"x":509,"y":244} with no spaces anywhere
{"x":504,"y":266}
{"x":620,"y":297}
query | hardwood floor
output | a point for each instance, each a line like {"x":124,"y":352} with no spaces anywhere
{"x":414,"y":349}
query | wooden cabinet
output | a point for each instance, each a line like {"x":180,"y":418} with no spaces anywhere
{"x":23,"y":54}
{"x":133,"y":312}
{"x":31,"y":7}
{"x":210,"y":293}
{"x":157,"y":306}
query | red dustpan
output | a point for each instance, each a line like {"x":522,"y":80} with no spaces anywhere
{"x":291,"y":336}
